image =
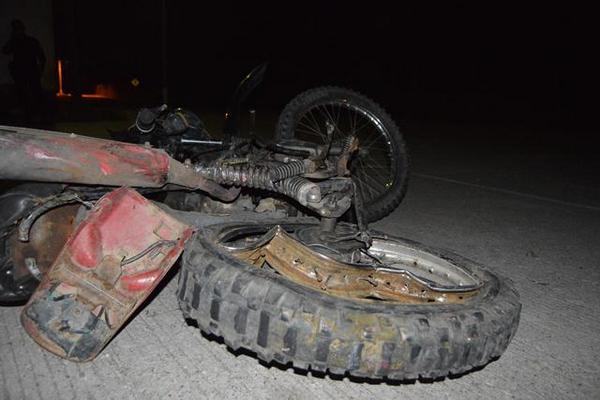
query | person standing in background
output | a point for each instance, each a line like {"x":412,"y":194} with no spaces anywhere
{"x":26,"y":68}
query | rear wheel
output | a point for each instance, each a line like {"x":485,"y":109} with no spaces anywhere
{"x":400,"y":310}
{"x":380,"y":166}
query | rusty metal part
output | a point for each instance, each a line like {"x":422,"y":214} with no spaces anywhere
{"x":296,"y":187}
{"x":47,"y":236}
{"x":183,"y":175}
{"x":290,"y":169}
{"x":257,"y":177}
{"x":287,"y":180}
{"x":38,"y":155}
{"x":336,"y":197}
{"x":327,"y":225}
{"x":45,"y":205}
{"x":361,"y":221}
{"x":111,"y":263}
{"x":350,"y":146}
{"x":292,"y":259}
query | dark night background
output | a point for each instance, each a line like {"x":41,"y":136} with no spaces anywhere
{"x":503,"y":95}
{"x":504,"y":63}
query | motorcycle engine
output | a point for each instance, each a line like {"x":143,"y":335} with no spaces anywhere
{"x":172,"y":130}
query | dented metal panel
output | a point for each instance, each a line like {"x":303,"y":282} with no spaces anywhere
{"x":110,"y":264}
{"x":303,"y":265}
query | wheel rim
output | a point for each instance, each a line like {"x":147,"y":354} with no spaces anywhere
{"x":374,"y":166}
{"x":389,"y":271}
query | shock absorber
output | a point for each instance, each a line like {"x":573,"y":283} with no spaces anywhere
{"x":300,"y":189}
{"x":288,"y":170}
{"x":238,"y":175}
{"x":284,"y":180}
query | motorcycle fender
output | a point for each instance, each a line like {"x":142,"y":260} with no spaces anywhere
{"x":111,"y":263}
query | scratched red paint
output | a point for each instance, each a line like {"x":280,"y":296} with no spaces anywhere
{"x":141,"y":281}
{"x":106,"y":168}
{"x":89,"y":246}
{"x":123,"y":224}
{"x":113,"y":158}
{"x":37,"y":152}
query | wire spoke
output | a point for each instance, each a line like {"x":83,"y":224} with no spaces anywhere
{"x":367,"y":123}
{"x":366,"y":195}
{"x":372,"y":168}
{"x":337,"y":118}
{"x":326,"y":113}
{"x":310,"y":128}
{"x":309,"y":132}
{"x":367,"y":181}
{"x":374,"y":162}
{"x":329,"y":118}
{"x":314,"y":120}
{"x":372,"y":181}
{"x":371,"y":141}
{"x":354,"y":121}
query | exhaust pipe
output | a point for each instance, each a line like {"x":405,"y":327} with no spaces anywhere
{"x":39,"y":155}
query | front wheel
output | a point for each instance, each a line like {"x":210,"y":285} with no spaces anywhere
{"x":331,"y":114}
{"x":399,"y":310}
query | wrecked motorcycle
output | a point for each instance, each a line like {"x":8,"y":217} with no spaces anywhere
{"x":269,"y":263}
{"x":380,"y":169}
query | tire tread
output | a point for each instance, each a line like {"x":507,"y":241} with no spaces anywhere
{"x":253,"y":309}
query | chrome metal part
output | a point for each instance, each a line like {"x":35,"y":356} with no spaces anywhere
{"x":194,"y":141}
{"x":300,"y":189}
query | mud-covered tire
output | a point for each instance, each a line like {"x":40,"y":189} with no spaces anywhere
{"x":16,"y":203}
{"x":383,"y":205}
{"x":289,"y":324}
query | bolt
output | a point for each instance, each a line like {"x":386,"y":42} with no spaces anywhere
{"x":314,"y":195}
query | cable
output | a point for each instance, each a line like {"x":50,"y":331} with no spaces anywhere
{"x":147,"y":250}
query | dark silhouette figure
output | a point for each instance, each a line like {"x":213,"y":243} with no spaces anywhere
{"x":26,"y":67}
